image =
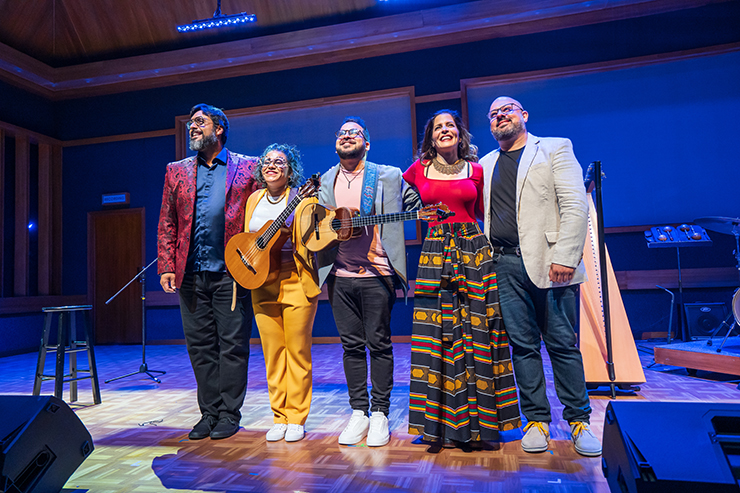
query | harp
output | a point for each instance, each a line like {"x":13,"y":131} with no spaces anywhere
{"x":595,"y":338}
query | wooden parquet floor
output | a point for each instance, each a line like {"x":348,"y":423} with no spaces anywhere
{"x":141,"y":445}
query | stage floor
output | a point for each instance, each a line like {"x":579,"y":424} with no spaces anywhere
{"x":141,"y":445}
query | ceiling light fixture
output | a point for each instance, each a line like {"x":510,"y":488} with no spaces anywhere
{"x":218,"y":20}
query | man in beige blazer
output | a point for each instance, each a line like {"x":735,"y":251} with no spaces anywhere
{"x":536,"y":217}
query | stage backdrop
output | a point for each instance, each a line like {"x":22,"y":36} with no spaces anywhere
{"x":664,"y":132}
{"x":311,"y":125}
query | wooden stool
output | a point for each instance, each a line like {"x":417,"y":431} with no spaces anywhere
{"x":67,"y":332}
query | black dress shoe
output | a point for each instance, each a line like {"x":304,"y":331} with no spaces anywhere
{"x":225,"y":428}
{"x":203,"y":428}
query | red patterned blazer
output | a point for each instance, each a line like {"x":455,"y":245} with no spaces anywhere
{"x":178,"y":202}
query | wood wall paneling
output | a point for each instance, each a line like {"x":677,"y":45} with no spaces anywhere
{"x":2,"y":212}
{"x":44,"y":220}
{"x":56,"y":219}
{"x":22,"y":193}
{"x":34,"y":304}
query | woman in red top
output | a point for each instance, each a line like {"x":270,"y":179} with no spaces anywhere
{"x":462,"y":384}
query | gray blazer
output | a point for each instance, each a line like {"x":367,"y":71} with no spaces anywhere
{"x":551,"y":207}
{"x":393,"y":195}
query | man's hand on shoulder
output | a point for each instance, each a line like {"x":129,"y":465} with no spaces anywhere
{"x":560,"y":273}
{"x":167,"y":280}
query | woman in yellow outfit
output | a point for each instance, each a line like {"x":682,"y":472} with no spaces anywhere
{"x":284,"y":309}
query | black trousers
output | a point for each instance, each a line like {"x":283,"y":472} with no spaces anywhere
{"x":217,"y":339}
{"x":362,"y":311}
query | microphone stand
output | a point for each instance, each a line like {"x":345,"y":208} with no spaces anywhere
{"x":143,"y":368}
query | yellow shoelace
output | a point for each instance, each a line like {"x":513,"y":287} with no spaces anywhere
{"x":539,"y":425}
{"x":579,"y":428}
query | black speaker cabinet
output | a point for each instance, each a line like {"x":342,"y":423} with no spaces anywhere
{"x":671,"y":447}
{"x":42,"y":442}
{"x":703,"y":318}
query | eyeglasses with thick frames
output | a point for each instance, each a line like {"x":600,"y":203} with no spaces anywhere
{"x":505,"y":110}
{"x":279,"y":163}
{"x":352,"y":132}
{"x":198,"y":121}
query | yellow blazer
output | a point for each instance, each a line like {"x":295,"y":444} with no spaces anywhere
{"x":305,"y":260}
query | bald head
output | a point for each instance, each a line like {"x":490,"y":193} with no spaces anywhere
{"x":503,"y":100}
{"x":508,"y":123}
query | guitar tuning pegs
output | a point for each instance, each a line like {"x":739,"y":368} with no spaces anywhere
{"x":662,"y":237}
{"x":667,"y":229}
{"x":696,"y":236}
{"x":684,"y":227}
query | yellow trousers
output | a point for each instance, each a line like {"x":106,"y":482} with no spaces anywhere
{"x":284,"y":317}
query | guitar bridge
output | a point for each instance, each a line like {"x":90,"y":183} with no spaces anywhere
{"x":245,"y":261}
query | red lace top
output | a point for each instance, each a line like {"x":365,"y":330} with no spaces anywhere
{"x":464,"y":196}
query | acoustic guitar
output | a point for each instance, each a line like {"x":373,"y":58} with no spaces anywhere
{"x":321,"y":227}
{"x":253,"y":258}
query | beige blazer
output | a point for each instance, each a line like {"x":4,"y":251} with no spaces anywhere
{"x":551,"y":207}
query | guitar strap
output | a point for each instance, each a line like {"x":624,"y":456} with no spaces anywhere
{"x":291,"y":195}
{"x":369,"y":187}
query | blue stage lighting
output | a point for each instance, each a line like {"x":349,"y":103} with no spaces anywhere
{"x":218,"y":20}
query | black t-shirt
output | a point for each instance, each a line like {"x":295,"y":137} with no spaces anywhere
{"x":503,"y":231}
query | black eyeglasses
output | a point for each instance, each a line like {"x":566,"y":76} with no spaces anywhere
{"x":506,"y":109}
{"x":198,"y":121}
{"x":352,"y":132}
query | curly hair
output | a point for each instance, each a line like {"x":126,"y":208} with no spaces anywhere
{"x":465,"y":150}
{"x":216,"y":115}
{"x":295,"y":166}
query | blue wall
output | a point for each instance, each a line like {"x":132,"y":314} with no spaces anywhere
{"x":138,"y":166}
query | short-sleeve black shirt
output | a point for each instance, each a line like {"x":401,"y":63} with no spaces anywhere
{"x":503,"y":230}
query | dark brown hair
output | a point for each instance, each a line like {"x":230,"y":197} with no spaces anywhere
{"x":465,"y":150}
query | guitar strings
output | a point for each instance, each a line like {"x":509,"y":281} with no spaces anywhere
{"x":244,"y":256}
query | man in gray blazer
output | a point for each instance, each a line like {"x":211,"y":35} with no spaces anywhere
{"x":536,"y":217}
{"x":362,"y":275}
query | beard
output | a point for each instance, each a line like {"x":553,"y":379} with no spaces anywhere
{"x":207,"y":141}
{"x":355,"y":153}
{"x":514,"y":129}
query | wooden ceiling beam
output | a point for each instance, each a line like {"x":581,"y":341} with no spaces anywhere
{"x":424,"y":29}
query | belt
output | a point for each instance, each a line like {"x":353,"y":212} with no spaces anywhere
{"x":502,"y":250}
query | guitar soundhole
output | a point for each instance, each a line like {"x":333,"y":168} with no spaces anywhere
{"x":261,"y":244}
{"x":336,"y":224}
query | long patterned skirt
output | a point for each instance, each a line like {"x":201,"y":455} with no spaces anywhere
{"x":462,"y":383}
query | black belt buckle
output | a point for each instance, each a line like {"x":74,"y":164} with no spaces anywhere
{"x":502,"y":250}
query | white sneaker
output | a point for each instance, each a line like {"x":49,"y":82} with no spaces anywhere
{"x":356,"y":429}
{"x":378,"y":434}
{"x":294,"y":433}
{"x":277,"y":432}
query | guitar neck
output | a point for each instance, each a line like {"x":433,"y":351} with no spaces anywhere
{"x":280,"y":220}
{"x":393,"y":217}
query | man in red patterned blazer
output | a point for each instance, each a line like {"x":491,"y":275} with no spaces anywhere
{"x":202,"y":208}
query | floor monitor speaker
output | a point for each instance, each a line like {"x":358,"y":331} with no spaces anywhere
{"x":42,"y":442}
{"x":671,"y":447}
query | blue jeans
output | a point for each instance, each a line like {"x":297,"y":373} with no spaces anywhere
{"x":532,"y":315}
